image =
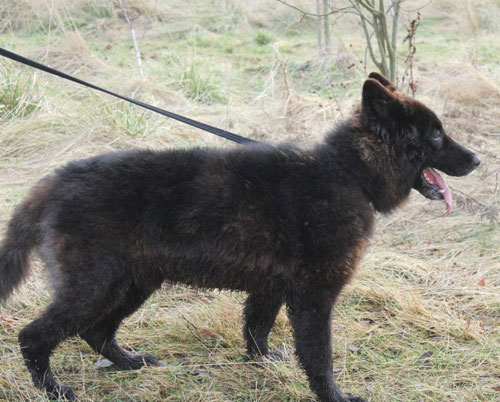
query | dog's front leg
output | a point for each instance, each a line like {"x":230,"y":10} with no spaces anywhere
{"x":310,"y":317}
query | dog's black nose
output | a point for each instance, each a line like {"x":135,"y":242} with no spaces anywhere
{"x":475,"y":160}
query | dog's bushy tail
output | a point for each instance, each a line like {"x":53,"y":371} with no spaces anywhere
{"x":23,"y":234}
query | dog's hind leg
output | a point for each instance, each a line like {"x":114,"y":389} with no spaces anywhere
{"x":101,"y":335}
{"x":310,"y":318}
{"x":38,"y":340}
{"x":260,"y":313}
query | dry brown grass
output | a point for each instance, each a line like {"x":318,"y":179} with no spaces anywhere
{"x":468,"y":86}
{"x":421,"y":320}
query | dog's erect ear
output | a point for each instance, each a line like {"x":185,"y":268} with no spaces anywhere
{"x":384,"y":81}
{"x":381,"y":110}
{"x":378,"y":102}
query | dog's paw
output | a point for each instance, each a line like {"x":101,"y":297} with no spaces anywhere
{"x":282,"y":353}
{"x":150,"y":361}
{"x":134,"y":361}
{"x":277,"y":355}
{"x":355,"y":399}
{"x":62,"y":393}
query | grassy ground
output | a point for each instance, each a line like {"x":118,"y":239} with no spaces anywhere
{"x":421,"y":320}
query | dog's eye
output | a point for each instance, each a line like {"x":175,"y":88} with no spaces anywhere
{"x":436,"y":135}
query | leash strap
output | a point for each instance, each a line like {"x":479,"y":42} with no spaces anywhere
{"x":214,"y":130}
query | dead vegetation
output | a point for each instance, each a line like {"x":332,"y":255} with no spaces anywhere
{"x":421,"y":320}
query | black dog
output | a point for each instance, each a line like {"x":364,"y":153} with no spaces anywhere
{"x":284,"y":224}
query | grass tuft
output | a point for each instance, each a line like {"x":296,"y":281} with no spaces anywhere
{"x":263,"y":38}
{"x":194,"y":80}
{"x":19,"y":92}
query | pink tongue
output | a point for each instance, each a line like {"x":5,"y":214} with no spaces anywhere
{"x":435,"y":178}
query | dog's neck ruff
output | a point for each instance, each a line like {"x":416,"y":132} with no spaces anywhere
{"x":371,"y":164}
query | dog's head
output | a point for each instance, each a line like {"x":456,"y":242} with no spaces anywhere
{"x":415,"y":133}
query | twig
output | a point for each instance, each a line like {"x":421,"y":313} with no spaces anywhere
{"x":410,"y":37}
{"x":364,"y":22}
{"x":319,"y":33}
{"x":334,"y":10}
{"x":372,"y":10}
{"x":396,"y":6}
{"x":469,"y":197}
{"x":132,"y":30}
{"x":193,"y":329}
{"x":222,"y":364}
{"x":416,"y":9}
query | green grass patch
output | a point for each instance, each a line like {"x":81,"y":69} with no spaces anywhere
{"x":193,"y":79}
{"x":263,"y":38}
{"x":19,"y":92}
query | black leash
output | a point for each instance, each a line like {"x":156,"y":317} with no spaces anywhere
{"x":214,"y":130}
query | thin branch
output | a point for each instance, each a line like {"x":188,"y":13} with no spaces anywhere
{"x":395,"y":21}
{"x":369,"y":8}
{"x":132,"y":30}
{"x":365,"y":60}
{"x":394,"y":44}
{"x":359,"y":13}
{"x":320,"y":32}
{"x":385,"y":40}
{"x":385,"y":30}
{"x":326,"y":24}
{"x":381,"y":45}
{"x":194,"y":329}
{"x":367,"y":36}
{"x":416,"y":9}
{"x":469,"y":197}
{"x":334,"y":10}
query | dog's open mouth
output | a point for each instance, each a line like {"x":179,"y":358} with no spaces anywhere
{"x":432,"y":185}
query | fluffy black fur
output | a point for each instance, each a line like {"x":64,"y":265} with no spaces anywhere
{"x":284,"y":224}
